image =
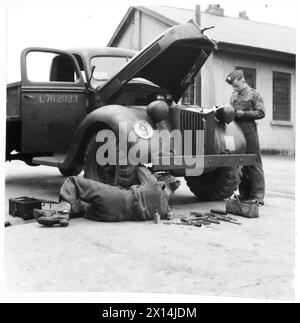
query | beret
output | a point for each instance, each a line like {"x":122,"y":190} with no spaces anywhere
{"x":233,"y":75}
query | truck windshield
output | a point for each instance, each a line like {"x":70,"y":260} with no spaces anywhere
{"x":107,"y":66}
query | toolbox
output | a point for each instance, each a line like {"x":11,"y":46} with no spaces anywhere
{"x":23,"y":206}
{"x":242,"y":208}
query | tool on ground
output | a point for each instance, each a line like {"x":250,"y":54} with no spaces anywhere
{"x":191,"y":222}
{"x":215,"y":218}
{"x":205,"y":217}
{"x":195,"y":221}
{"x":182,"y":223}
{"x":224,"y":218}
{"x":245,"y":209}
{"x":156,"y":217}
{"x":170,"y":216}
{"x":197,"y":214}
{"x":217,"y":211}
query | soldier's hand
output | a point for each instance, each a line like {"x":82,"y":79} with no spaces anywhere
{"x":239,"y":113}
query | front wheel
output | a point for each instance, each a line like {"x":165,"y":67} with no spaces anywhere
{"x":216,"y":185}
{"x":124,"y":176}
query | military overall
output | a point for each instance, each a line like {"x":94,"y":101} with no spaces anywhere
{"x":107,"y":203}
{"x":251,"y":103}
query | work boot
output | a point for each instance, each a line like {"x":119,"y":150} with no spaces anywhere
{"x":60,"y":217}
{"x":37,"y":213}
{"x":257,"y":200}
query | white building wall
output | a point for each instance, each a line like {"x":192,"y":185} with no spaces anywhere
{"x":130,"y":36}
{"x":208,"y":83}
{"x":128,"y":39}
{"x":140,"y":30}
{"x":278,"y":136}
{"x":150,"y":28}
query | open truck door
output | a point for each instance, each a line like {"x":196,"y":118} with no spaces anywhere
{"x":53,"y":100}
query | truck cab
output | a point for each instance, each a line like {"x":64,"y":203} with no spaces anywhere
{"x":55,"y":94}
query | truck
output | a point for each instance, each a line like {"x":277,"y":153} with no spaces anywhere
{"x":65,"y":97}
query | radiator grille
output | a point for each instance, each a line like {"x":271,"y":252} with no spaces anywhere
{"x":190,"y":121}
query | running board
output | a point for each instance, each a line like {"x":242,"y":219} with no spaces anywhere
{"x":55,"y":161}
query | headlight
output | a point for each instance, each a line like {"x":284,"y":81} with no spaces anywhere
{"x":143,"y":129}
{"x":158,"y":110}
{"x":225,"y":113}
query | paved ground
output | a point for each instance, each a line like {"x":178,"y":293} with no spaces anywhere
{"x":252,"y":260}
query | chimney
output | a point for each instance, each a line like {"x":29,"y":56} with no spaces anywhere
{"x":243,"y":15}
{"x":215,"y":9}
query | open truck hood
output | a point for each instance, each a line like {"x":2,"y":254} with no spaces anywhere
{"x":171,"y":61}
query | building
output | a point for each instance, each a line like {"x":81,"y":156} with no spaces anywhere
{"x":266,"y":53}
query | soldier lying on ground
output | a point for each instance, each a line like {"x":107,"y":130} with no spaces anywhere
{"x":101,"y":202}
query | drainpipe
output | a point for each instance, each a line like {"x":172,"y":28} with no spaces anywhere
{"x":197,"y":82}
{"x":198,"y":14}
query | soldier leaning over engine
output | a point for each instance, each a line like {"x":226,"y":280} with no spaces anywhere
{"x":249,"y":106}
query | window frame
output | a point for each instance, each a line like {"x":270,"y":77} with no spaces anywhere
{"x":27,"y":82}
{"x":289,"y":78}
{"x":249,"y":69}
{"x":188,"y":96}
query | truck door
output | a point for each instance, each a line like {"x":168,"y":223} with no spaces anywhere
{"x":53,"y":100}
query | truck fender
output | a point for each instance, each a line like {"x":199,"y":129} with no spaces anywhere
{"x":105,"y":117}
{"x":229,"y":138}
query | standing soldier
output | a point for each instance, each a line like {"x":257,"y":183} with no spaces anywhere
{"x":249,"y":106}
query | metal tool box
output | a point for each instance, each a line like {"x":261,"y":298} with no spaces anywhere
{"x":23,"y":206}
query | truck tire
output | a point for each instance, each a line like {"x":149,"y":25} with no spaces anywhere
{"x":73,"y":171}
{"x":216,"y":185}
{"x":124,"y":176}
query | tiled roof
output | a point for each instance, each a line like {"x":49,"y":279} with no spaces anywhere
{"x":232,"y":30}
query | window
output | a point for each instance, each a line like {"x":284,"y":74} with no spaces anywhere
{"x":281,"y":96}
{"x":189,"y":95}
{"x":107,"y":66}
{"x":249,"y":74}
{"x":63,"y":69}
{"x":50,"y":67}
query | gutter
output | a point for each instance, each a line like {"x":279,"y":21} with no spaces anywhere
{"x":257,"y":52}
